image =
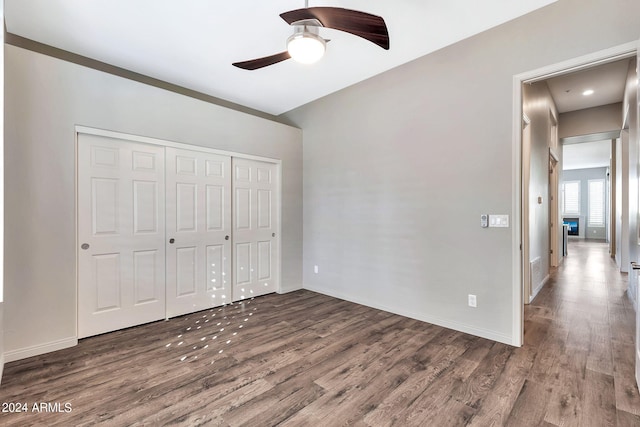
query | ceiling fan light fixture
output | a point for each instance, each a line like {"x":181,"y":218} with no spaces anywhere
{"x":305,"y":45}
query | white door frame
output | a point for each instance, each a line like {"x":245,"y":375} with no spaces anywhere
{"x":636,"y":240}
{"x":626,"y":50}
{"x":179,"y":145}
{"x":555,"y":224}
{"x":526,"y":178}
{"x":613,"y":166}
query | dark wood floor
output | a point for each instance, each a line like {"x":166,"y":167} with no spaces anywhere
{"x":304,"y":359}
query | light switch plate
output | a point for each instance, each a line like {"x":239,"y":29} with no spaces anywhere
{"x":498,"y":220}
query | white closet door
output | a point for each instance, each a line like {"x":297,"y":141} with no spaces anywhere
{"x":198,"y":231}
{"x":255,"y":228}
{"x":120,"y":234}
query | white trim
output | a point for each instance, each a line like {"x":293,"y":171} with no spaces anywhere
{"x":553,"y":154}
{"x":173,"y":144}
{"x":538,"y":288}
{"x":75,"y":229}
{"x":279,"y":228}
{"x":282,"y":291}
{"x":603,"y":56}
{"x":517,"y":326}
{"x":626,"y":50}
{"x":625,"y":117}
{"x":39,"y":349}
{"x":461,"y":327}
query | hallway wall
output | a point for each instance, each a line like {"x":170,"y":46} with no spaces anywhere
{"x":588,"y":121}
{"x":539,"y":106}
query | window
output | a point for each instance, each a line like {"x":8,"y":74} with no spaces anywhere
{"x":571,"y":197}
{"x":596,"y":203}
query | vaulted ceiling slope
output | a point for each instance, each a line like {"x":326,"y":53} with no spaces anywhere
{"x":193,"y":44}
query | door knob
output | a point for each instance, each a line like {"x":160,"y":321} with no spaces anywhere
{"x":273,"y":234}
{"x":172,"y":241}
{"x":226,"y":237}
{"x":85,"y":246}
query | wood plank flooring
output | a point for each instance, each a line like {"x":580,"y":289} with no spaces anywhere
{"x":304,"y":359}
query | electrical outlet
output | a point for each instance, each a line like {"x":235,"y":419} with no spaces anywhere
{"x":315,"y":269}
{"x":473,"y":302}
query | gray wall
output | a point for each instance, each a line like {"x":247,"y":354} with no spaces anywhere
{"x":590,"y":120}
{"x":399,"y":168}
{"x":584,"y":175}
{"x":45,"y":98}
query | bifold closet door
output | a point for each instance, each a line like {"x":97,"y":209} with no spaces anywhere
{"x":198,"y":231}
{"x":255,"y":228}
{"x":121,"y":254}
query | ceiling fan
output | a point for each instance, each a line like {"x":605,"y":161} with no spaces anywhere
{"x":307,"y":46}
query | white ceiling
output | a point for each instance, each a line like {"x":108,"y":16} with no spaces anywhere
{"x":193,"y":43}
{"x":607,"y":81}
{"x":586,"y":155}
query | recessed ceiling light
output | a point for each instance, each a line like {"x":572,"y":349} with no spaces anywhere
{"x":588,"y":92}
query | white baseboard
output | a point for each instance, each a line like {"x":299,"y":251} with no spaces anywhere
{"x":539,"y":288}
{"x":289,"y":289}
{"x":461,"y":327}
{"x":23,"y":353}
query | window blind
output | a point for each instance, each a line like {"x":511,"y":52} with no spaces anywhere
{"x":571,"y":197}
{"x":596,"y":202}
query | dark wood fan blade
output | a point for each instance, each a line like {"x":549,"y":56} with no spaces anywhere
{"x":254,"y":64}
{"x":361,"y":24}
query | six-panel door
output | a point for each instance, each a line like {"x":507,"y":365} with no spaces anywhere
{"x":198,"y":231}
{"x":165,"y":231}
{"x":121,"y":254}
{"x":255,"y":228}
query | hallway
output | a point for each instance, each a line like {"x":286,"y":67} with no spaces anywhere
{"x":581,"y":325}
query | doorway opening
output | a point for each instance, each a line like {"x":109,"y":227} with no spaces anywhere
{"x":533,"y":215}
